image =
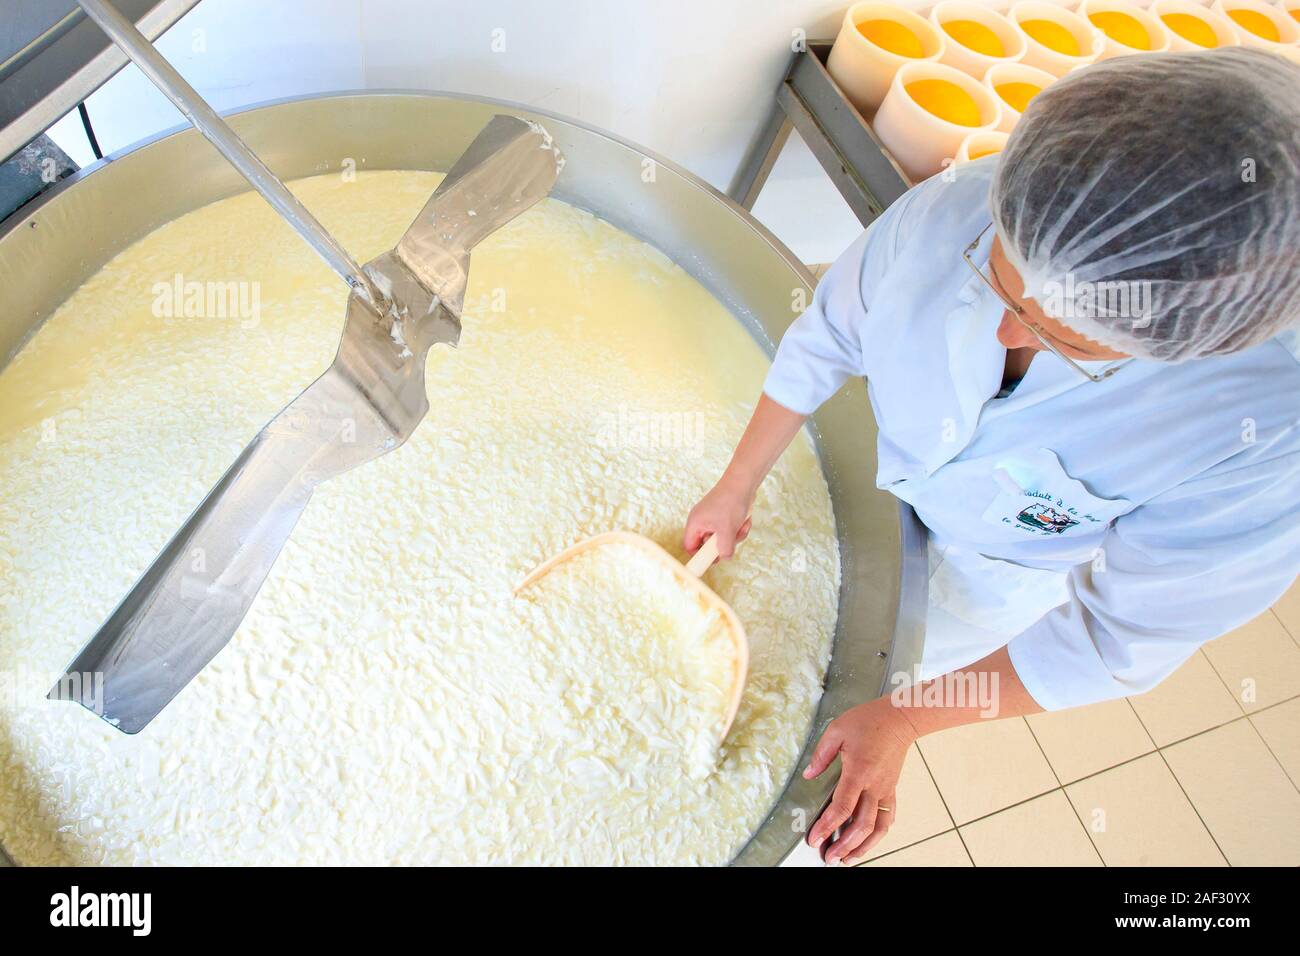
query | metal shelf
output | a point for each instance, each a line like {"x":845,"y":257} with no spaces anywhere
{"x":52,"y":58}
{"x":810,"y":101}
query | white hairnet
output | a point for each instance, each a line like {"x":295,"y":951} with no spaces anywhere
{"x":1152,"y":202}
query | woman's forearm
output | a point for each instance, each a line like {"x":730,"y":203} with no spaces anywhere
{"x":770,"y":431}
{"x":985,"y":690}
{"x":872,"y":740}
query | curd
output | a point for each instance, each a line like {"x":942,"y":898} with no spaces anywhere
{"x":388,"y":699}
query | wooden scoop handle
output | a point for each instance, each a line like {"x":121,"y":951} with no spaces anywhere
{"x":703,"y":559}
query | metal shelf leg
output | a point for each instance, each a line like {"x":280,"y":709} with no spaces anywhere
{"x":762,"y":155}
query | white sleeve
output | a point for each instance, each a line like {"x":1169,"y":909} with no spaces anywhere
{"x":1186,"y":567}
{"x":822,"y":349}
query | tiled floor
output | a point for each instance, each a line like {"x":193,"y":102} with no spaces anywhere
{"x":1204,"y":770}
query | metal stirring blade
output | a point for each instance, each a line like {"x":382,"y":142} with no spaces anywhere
{"x":188,"y":604}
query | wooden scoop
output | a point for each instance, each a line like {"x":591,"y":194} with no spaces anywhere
{"x":688,"y":575}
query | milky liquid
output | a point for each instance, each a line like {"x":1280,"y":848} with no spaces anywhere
{"x":387,"y":699}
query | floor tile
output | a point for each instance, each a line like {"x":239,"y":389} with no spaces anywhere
{"x":1190,"y":700}
{"x":1287,"y":610}
{"x":1138,"y":815}
{"x":1280,"y":728}
{"x":803,"y":855}
{"x":1259,"y":662}
{"x":985,"y":766}
{"x":921,"y":813}
{"x":942,"y":850}
{"x":1242,"y":793}
{"x":1083,"y":740}
{"x":1040,"y":832}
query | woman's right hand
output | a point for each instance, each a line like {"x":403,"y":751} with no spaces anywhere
{"x":723,"y":512}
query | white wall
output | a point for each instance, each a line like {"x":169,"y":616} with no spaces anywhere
{"x":692,"y":79}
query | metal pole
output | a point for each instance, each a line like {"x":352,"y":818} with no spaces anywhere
{"x":205,"y":119}
{"x":761,"y":157}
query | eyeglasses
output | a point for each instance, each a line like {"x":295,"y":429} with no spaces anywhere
{"x":1018,"y":311}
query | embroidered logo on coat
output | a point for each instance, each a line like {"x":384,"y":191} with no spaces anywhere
{"x":1043,"y":517}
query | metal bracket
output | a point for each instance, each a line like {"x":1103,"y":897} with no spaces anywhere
{"x":810,"y":101}
{"x":52,"y":57}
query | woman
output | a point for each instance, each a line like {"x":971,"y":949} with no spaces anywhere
{"x":1082,"y":361}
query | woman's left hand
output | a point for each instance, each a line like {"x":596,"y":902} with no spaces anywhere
{"x":871,"y":741}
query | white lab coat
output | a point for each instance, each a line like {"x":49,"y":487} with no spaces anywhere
{"x":1101,"y":530}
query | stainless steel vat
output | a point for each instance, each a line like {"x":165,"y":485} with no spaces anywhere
{"x":49,"y":247}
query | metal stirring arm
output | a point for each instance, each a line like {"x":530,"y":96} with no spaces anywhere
{"x":191,"y":600}
{"x":205,"y":119}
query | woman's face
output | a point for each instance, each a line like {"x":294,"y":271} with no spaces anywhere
{"x":1013,"y":335}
